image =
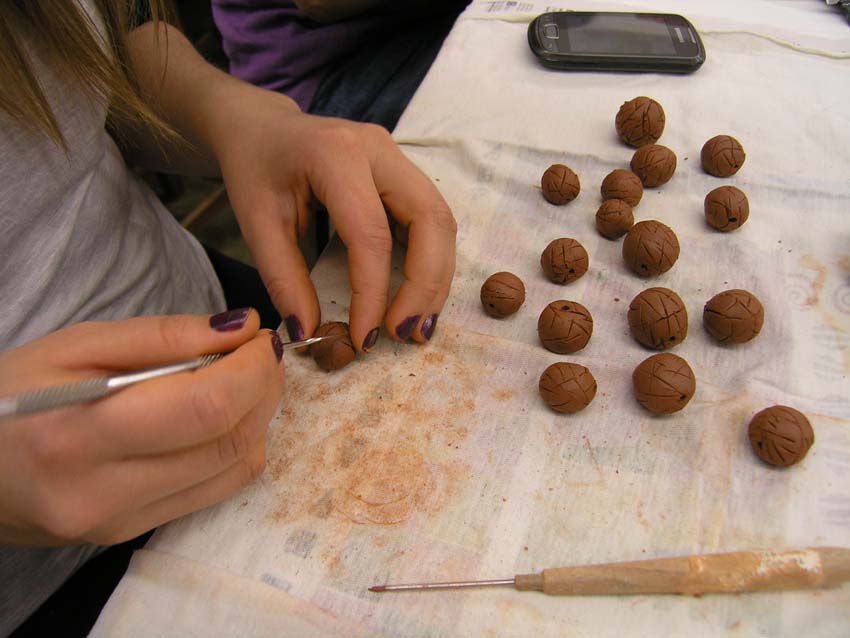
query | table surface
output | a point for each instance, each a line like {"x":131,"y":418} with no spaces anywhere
{"x":441,"y":462}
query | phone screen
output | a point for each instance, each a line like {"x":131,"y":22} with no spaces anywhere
{"x":611,"y":34}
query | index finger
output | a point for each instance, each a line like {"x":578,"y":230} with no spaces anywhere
{"x":348,"y":191}
{"x":190,"y":408}
{"x":429,"y":266}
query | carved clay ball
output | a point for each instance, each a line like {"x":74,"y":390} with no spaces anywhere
{"x":780,"y":435}
{"x":726,"y":208}
{"x":564,"y":326}
{"x":664,"y":383}
{"x":658,"y":318}
{"x":614,"y":218}
{"x":560,"y":184}
{"x":733,"y":316}
{"x":337,"y":351}
{"x":564,"y":260}
{"x":722,"y":156}
{"x":653,"y":164}
{"x":640,"y":121}
{"x":622,"y":184}
{"x":502,"y":294}
{"x":650,"y":248}
{"x":567,"y":387}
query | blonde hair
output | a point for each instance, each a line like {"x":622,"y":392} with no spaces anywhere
{"x":70,"y":42}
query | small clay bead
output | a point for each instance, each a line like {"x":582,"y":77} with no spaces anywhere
{"x":564,"y":260}
{"x":560,"y":184}
{"x":502,"y":294}
{"x":335,"y":352}
{"x":722,"y":156}
{"x":653,"y":164}
{"x":780,"y":435}
{"x":614,"y":218}
{"x":664,"y":383}
{"x":622,"y":184}
{"x":726,"y":208}
{"x":567,"y":387}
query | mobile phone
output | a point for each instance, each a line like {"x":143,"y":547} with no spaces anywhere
{"x":614,"y":41}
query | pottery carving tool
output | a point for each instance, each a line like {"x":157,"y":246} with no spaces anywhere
{"x":98,"y":387}
{"x":813,"y":568}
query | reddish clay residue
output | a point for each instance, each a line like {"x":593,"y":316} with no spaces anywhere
{"x":811,"y":263}
{"x":504,"y":394}
{"x":387,"y":487}
{"x":372,"y":445}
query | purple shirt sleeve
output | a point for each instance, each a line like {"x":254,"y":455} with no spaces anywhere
{"x":275,"y":46}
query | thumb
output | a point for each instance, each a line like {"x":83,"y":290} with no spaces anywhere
{"x":150,"y":341}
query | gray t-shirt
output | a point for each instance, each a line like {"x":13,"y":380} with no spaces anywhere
{"x":81,"y":237}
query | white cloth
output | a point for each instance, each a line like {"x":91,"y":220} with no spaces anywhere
{"x":442,"y":463}
{"x":81,"y":238}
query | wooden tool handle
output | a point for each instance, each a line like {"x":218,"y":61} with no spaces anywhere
{"x":711,"y":573}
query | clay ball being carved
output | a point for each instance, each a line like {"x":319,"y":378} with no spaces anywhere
{"x":564,"y":260}
{"x":622,"y":184}
{"x":726,"y":208}
{"x":335,"y":352}
{"x":502,"y":294}
{"x":780,"y":435}
{"x":733,"y":316}
{"x":567,"y":387}
{"x":650,"y":248}
{"x":664,"y":383}
{"x":653,"y":164}
{"x":560,"y":184}
{"x":640,"y":121}
{"x":564,"y":326}
{"x":614,"y":218}
{"x":658,"y":318}
{"x":722,"y":156}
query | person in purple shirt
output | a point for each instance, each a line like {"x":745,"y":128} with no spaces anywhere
{"x":360,"y":60}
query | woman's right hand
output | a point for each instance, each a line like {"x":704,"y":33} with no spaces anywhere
{"x":107,"y":471}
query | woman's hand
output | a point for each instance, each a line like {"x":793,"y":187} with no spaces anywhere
{"x":106,"y":471}
{"x":275,"y":160}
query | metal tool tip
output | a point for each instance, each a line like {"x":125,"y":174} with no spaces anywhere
{"x":378,"y":588}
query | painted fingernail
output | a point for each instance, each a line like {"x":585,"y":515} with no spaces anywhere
{"x":428,"y":326}
{"x":293,"y":327}
{"x":277,"y":345}
{"x":230,"y":320}
{"x":370,"y":339}
{"x":405,"y":328}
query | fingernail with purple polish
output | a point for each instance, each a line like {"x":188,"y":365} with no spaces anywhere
{"x":370,"y":339}
{"x":277,"y":345}
{"x":429,"y":325}
{"x":230,"y":320}
{"x":293,"y":327}
{"x":405,"y":328}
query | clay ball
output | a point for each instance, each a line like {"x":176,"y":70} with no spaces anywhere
{"x":622,"y":184}
{"x":337,"y":351}
{"x":780,"y":435}
{"x":502,"y":294}
{"x":560,"y":184}
{"x":722,"y":156}
{"x":564,"y":326}
{"x":653,"y":164}
{"x":726,"y":208}
{"x":640,"y":121}
{"x":650,"y":248}
{"x":567,"y":387}
{"x":564,"y":260}
{"x":664,"y":383}
{"x":733,"y":316}
{"x":614,"y":218}
{"x":658,"y":318}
